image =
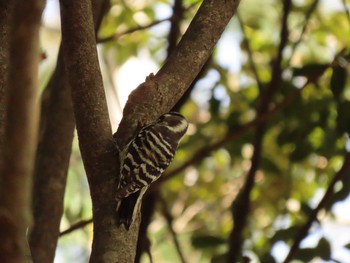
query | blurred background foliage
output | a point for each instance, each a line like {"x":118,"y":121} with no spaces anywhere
{"x":303,"y":146}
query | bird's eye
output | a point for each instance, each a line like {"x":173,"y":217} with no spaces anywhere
{"x":161,"y":118}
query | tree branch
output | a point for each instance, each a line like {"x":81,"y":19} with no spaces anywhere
{"x":205,"y":151}
{"x":169,"y":219}
{"x":21,"y":131}
{"x":5,"y":11}
{"x":94,"y":129}
{"x":159,"y":93}
{"x":308,"y":14}
{"x":116,"y":36}
{"x":53,"y":154}
{"x":241,"y":206}
{"x":150,"y":199}
{"x":302,"y":233}
{"x":51,"y":167}
{"x":131,"y":30}
{"x":250,"y":53}
{"x":76,"y":226}
{"x":147,"y":210}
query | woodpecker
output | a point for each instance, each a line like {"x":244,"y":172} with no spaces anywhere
{"x":144,"y":160}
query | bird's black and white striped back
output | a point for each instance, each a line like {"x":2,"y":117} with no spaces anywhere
{"x":149,"y":154}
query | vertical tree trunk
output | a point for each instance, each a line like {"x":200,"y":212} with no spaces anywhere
{"x":21,"y":131}
{"x":53,"y":154}
{"x":5,"y":11}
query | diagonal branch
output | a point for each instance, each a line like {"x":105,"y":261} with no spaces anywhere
{"x":149,"y":201}
{"x":131,"y":30}
{"x":241,"y":206}
{"x":159,"y":93}
{"x":205,"y":151}
{"x":250,"y":53}
{"x":308,"y":14}
{"x":76,"y":226}
{"x":169,"y":219}
{"x":302,"y":233}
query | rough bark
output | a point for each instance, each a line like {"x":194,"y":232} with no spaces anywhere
{"x":52,"y":160}
{"x":159,"y":93}
{"x":150,"y":198}
{"x":93,"y":125}
{"x":20,"y":130}
{"x":5,"y":11}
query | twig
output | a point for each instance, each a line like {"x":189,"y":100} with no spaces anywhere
{"x":169,"y":219}
{"x":76,"y":226}
{"x":241,"y":206}
{"x":303,"y":30}
{"x":346,"y":10}
{"x":249,"y":52}
{"x":140,"y":27}
{"x":174,"y":32}
{"x":200,"y":154}
{"x":313,"y":215}
{"x":205,"y":151}
{"x":147,"y":210}
{"x":131,"y":30}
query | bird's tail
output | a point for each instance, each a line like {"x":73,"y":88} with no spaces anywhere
{"x":127,"y":208}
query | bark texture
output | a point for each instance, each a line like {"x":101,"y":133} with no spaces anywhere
{"x":93,"y":125}
{"x":159,"y":93}
{"x":53,"y":154}
{"x":5,"y":11}
{"x":52,"y":162}
{"x":156,"y":96}
{"x":20,"y":130}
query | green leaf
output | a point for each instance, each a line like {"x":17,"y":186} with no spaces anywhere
{"x":347,"y":246}
{"x":305,"y":254}
{"x":285,"y":234}
{"x":343,"y":118}
{"x":222,"y":258}
{"x":323,"y":249}
{"x":207,"y":241}
{"x":338,"y":81}
{"x":310,"y":70}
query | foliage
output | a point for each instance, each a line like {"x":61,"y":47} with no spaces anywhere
{"x":303,"y":146}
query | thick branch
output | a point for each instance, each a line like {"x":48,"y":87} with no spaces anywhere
{"x":21,"y":131}
{"x":150,"y":199}
{"x":159,"y":93}
{"x":93,"y":126}
{"x":52,"y":161}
